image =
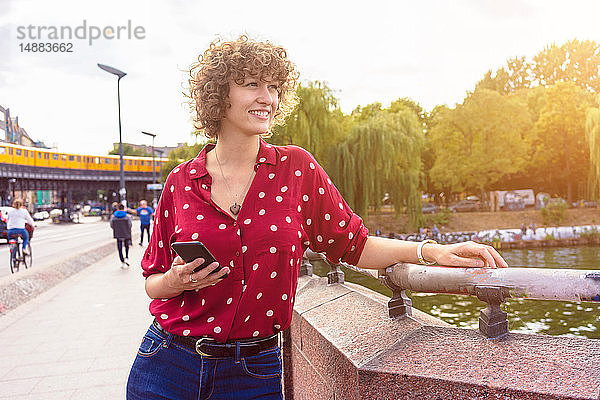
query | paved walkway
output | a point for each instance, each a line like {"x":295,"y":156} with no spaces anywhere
{"x":78,"y":339}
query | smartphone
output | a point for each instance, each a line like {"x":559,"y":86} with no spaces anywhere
{"x":189,"y":251}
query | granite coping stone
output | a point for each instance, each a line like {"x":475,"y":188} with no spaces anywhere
{"x":342,"y":329}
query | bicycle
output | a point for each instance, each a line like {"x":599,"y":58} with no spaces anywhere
{"x":16,"y":255}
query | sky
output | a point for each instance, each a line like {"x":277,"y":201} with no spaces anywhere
{"x":432,"y":51}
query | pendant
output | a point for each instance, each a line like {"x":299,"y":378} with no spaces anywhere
{"x":235,"y":208}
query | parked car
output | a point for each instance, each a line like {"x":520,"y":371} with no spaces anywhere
{"x":96,"y":211}
{"x":465,"y":205}
{"x":3,"y":213}
{"x":429,"y":208}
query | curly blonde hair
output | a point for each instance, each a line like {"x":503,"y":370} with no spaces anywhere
{"x":235,"y":60}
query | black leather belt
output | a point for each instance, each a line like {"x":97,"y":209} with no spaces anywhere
{"x":208,"y":347}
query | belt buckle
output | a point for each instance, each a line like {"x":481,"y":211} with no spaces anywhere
{"x":199,"y":343}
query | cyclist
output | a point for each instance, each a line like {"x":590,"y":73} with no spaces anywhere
{"x":17,"y":218}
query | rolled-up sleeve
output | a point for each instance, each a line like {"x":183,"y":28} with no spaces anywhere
{"x":331,"y":225}
{"x":158,"y":256}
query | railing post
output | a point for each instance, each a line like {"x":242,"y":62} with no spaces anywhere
{"x":336,"y":275}
{"x":306,"y":267}
{"x":400,"y":305}
{"x":493,"y":322}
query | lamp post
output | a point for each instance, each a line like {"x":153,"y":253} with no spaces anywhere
{"x":120,"y":74}
{"x":153,"y":169}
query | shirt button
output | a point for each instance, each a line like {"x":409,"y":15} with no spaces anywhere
{"x":235,"y":224}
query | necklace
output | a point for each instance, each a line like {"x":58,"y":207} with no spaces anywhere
{"x":235,"y":207}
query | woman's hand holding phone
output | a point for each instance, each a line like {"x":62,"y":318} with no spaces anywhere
{"x":181,"y":276}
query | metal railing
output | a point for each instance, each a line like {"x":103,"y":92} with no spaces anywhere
{"x":491,"y":285}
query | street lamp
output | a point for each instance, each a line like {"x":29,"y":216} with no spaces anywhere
{"x":153,"y":169}
{"x":120,"y":74}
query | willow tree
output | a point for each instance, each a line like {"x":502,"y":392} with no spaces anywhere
{"x":592,"y":134}
{"x":382,"y":154}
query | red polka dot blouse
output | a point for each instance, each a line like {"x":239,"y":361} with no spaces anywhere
{"x":291,"y":205}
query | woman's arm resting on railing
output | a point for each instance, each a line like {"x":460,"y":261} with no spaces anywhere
{"x":381,"y":252}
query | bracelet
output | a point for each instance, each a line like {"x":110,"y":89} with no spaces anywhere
{"x":420,"y":252}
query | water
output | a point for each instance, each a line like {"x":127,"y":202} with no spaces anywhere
{"x":526,"y":316}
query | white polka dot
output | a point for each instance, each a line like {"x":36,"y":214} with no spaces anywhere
{"x":271,"y":175}
{"x":256,"y":333}
{"x":312,"y":166}
{"x":330,"y":241}
{"x":172,"y":188}
{"x":247,"y":318}
{"x":329,"y":181}
{"x":284,"y":189}
{"x":193,"y":171}
{"x":178,"y":230}
{"x":273,"y":274}
{"x":307,"y":243}
{"x":194,"y":236}
{"x":327,"y":217}
{"x":186,"y":206}
{"x":308,"y":221}
{"x":203,"y":301}
{"x":299,"y":208}
{"x":186,"y":332}
{"x":341,"y":206}
{"x":291,"y":263}
{"x":222,"y":226}
{"x":305,"y":197}
{"x":262,"y":159}
{"x":288,"y":220}
{"x":166,"y":213}
{"x":284,"y":297}
{"x":164,"y":316}
{"x":258,"y":296}
{"x":238,"y":232}
{"x":247,"y":221}
{"x":244,"y":288}
{"x":160,"y":244}
{"x":210,"y":319}
{"x":199,"y":217}
{"x":182,"y":303}
{"x":185,"y":318}
{"x":342,"y":223}
{"x":231,"y":264}
{"x":350,"y":235}
{"x":261,"y":212}
{"x":299,"y":235}
{"x":229,"y":300}
{"x":176,"y":170}
{"x":174,"y":210}
{"x":255,"y":267}
{"x":319,"y":238}
{"x":268,"y":146}
{"x":279,"y":199}
{"x":353,"y":247}
{"x":293,"y":248}
{"x":272,"y":250}
{"x":244,"y":248}
{"x":261,"y":194}
{"x":217,"y":329}
{"x":270,"y":313}
{"x":273,"y":228}
{"x":204,"y":187}
{"x":277,"y":326}
{"x":283,"y":158}
{"x":297,"y":173}
{"x":187,"y":188}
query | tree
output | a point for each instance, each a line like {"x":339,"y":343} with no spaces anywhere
{"x":382,"y":154}
{"x":129,"y":150}
{"x":561,"y":154}
{"x":592,"y":134}
{"x":479,"y":142}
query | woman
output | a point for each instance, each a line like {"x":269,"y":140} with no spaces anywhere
{"x":16,"y":221}
{"x":257,"y":208}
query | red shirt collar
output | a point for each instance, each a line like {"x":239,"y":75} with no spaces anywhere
{"x":266,"y":155}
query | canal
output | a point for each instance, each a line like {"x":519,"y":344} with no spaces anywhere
{"x":524,"y":316}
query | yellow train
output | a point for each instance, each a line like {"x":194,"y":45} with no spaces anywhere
{"x":38,"y":157}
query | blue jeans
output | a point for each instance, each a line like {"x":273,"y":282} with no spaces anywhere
{"x":165,"y":370}
{"x":144,"y":227}
{"x":18,"y":231}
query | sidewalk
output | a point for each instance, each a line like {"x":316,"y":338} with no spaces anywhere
{"x":78,"y":339}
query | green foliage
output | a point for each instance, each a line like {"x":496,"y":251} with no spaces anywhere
{"x":554,"y":213}
{"x":128,"y":150}
{"x":592,"y":135}
{"x":479,"y":142}
{"x":440,"y":218}
{"x":591,"y":233}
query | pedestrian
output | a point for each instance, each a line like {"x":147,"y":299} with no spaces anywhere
{"x":16,"y":221}
{"x":256,"y":207}
{"x":120,"y":223}
{"x":533,"y":228}
{"x":523,"y":229}
{"x":145,"y":212}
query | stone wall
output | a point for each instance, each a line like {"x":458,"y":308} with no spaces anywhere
{"x":343,"y":345}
